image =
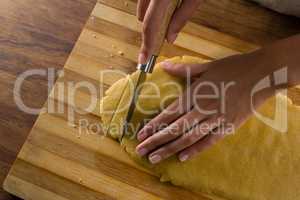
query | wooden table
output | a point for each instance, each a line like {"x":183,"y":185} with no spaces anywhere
{"x":35,"y":36}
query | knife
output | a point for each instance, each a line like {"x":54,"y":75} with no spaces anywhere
{"x":147,"y":68}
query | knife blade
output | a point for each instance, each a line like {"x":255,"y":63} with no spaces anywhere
{"x":144,"y":69}
{"x":136,"y":91}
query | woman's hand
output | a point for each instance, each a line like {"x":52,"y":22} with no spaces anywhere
{"x":217,"y":102}
{"x":150,"y":12}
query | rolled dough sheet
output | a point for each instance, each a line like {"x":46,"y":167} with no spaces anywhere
{"x":255,"y":163}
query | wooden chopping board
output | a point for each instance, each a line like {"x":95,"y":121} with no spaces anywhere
{"x":65,"y":158}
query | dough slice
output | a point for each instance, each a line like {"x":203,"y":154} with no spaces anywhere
{"x":108,"y":110}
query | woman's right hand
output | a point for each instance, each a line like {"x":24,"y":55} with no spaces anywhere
{"x":150,"y":12}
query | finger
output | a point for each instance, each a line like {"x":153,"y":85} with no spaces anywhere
{"x":170,"y":133}
{"x":180,"y":18}
{"x":178,"y":108}
{"x":186,"y":140}
{"x":163,"y":119}
{"x":184,"y":70}
{"x":151,"y":26}
{"x":182,"y":105}
{"x":203,"y":144}
{"x":142,"y":8}
{"x":167,"y":116}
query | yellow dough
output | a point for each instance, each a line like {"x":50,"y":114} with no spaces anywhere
{"x":255,"y":163}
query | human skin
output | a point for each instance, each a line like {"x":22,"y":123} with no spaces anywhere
{"x":240,"y":73}
{"x":149,"y":12}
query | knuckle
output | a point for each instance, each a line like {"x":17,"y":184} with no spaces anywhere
{"x":171,"y":131}
{"x":201,"y":133}
{"x":148,"y":128}
{"x":151,"y":142}
{"x":193,"y":151}
{"x":167,"y":151}
{"x":211,"y":141}
{"x":180,"y":69}
{"x":219,"y":136}
{"x":191,"y":138}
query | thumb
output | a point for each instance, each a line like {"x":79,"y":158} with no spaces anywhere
{"x":184,"y":70}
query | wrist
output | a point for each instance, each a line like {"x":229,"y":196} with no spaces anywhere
{"x":282,"y":55}
{"x":261,"y":78}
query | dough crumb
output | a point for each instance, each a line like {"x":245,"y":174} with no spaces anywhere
{"x":94,"y":36}
{"x":73,"y":125}
{"x":121,"y":53}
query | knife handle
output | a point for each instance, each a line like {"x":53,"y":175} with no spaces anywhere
{"x":164,"y":26}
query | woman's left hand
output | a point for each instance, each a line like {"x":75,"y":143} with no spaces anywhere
{"x":215,"y":104}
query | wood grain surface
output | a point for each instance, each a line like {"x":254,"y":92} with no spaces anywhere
{"x":41,"y":34}
{"x":34,"y":34}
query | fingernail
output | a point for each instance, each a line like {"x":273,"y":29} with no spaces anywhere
{"x":166,"y":64}
{"x":142,"y":58}
{"x":172,"y":38}
{"x":155,"y":159}
{"x":183,"y":158}
{"x":141,"y":136}
{"x":142,"y":151}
